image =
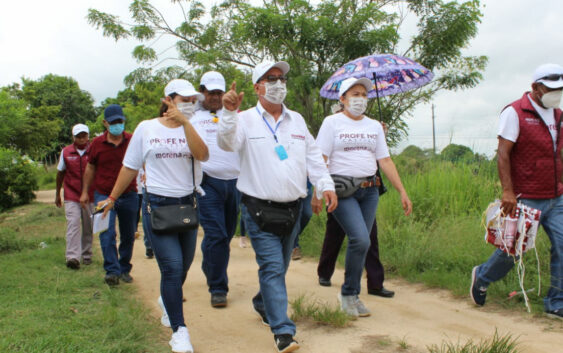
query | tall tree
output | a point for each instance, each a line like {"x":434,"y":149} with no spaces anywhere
{"x":29,"y":131}
{"x":52,"y":92}
{"x":315,"y":39}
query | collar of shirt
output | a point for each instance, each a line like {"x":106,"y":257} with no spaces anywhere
{"x":263,"y":113}
{"x":125,"y":134}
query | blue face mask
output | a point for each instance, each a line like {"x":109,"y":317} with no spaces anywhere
{"x":116,"y":129}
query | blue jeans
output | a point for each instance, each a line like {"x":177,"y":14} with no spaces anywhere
{"x":355,"y":214}
{"x":499,"y":264}
{"x":117,"y":261}
{"x":306,"y":213}
{"x":273,"y":254}
{"x":174,"y":254}
{"x":218,"y":212}
{"x":143,"y":222}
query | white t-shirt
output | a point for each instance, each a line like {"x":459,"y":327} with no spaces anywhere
{"x":509,"y":125}
{"x":62,"y":165}
{"x":140,"y":183}
{"x":165,"y":153}
{"x":352,"y":146}
{"x":221,"y":164}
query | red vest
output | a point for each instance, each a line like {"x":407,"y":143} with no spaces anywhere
{"x":535,"y":166}
{"x":75,"y":165}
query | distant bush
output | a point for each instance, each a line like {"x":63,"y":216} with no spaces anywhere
{"x":18,"y":179}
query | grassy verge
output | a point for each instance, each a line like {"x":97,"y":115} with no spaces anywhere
{"x":49,"y":308}
{"x":47,"y":178}
{"x":443,"y":239}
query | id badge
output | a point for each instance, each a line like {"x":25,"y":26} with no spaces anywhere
{"x":280,"y":150}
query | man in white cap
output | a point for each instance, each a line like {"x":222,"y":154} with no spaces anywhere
{"x":219,"y":206}
{"x":70,"y":171}
{"x":277,"y":152}
{"x":530,"y":167}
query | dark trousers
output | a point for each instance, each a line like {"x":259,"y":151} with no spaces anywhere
{"x":334,"y":236}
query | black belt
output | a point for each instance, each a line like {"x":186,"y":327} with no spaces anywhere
{"x":247,"y":199}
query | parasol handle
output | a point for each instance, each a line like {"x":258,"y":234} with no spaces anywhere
{"x":377,"y":95}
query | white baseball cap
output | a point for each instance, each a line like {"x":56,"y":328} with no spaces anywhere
{"x":79,"y":128}
{"x":183,"y":88}
{"x":352,"y":81}
{"x":212,"y":80}
{"x":550,"y":75}
{"x":263,"y":67}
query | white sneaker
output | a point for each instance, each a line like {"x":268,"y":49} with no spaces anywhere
{"x":348,"y":304}
{"x":180,"y":341}
{"x":164,"y":320}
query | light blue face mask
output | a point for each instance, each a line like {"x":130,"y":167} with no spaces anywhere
{"x":116,"y":129}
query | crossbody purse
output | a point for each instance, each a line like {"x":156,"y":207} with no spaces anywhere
{"x":175,"y":218}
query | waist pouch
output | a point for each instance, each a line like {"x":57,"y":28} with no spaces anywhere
{"x":272,"y":217}
{"x":346,"y":186}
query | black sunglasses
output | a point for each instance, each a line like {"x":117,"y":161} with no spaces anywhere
{"x":272,"y":78}
{"x":552,"y":77}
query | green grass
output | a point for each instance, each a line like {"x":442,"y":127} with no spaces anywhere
{"x":497,"y":344}
{"x":443,"y":239}
{"x":49,"y":308}
{"x":47,"y":178}
{"x":306,"y":307}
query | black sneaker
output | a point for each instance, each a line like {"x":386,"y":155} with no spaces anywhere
{"x":325,"y":282}
{"x":285,"y":343}
{"x":556,"y":314}
{"x":262,"y":314}
{"x":73,"y":264}
{"x":478,"y":294}
{"x":126,"y":277}
{"x":149,"y":254}
{"x":218,"y":300}
{"x":111,"y":280}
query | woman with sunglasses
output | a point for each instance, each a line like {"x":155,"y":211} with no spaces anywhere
{"x":353,"y":145}
{"x":168,"y":146}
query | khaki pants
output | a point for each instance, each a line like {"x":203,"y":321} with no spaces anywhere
{"x":78,"y":241}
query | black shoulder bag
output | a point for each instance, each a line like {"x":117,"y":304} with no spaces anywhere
{"x":175,"y":218}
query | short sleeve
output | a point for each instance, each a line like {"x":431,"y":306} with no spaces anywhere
{"x":509,"y":126}
{"x":134,"y":155}
{"x":381,"y":149}
{"x":61,"y":167}
{"x":325,"y":137}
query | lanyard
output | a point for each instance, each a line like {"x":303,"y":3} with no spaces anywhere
{"x":269,"y":127}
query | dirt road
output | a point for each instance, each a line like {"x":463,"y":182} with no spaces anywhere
{"x":416,"y":316}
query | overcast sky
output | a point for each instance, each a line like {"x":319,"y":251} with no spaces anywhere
{"x":40,"y":37}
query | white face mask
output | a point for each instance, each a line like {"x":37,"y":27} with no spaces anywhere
{"x":357,"y":105}
{"x":275,"y":92}
{"x":188,"y":109}
{"x":552,"y":99}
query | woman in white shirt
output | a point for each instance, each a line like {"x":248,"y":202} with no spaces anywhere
{"x":353,"y":144}
{"x":166,"y":146}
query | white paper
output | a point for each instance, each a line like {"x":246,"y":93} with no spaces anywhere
{"x":100,"y":224}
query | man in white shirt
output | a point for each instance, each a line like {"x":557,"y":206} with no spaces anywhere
{"x":277,"y":152}
{"x":219,"y":206}
{"x":530,"y":167}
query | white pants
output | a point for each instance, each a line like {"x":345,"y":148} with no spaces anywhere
{"x":78,"y":241}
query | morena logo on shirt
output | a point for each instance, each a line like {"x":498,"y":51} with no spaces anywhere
{"x":298,"y":137}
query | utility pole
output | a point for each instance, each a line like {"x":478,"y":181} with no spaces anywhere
{"x":433,"y":132}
